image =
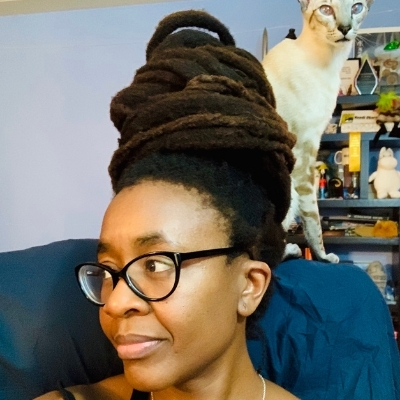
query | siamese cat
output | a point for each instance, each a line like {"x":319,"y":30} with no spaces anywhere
{"x":305,"y":76}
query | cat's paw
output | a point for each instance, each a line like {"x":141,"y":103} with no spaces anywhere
{"x":331,"y":258}
{"x":292,"y":251}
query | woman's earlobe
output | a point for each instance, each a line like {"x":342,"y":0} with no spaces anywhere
{"x":257,"y":278}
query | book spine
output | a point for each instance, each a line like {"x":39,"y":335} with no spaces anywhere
{"x":368,"y":217}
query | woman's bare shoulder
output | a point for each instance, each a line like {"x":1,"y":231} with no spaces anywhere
{"x":275,"y":392}
{"x":114,"y":388}
{"x":55,"y":395}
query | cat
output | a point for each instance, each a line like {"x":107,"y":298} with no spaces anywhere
{"x":305,"y":77}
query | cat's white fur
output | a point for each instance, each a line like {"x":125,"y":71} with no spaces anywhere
{"x":305,"y":76}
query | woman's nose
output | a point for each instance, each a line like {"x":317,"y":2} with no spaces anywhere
{"x":123,"y":301}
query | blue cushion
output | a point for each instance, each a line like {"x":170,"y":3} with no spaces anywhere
{"x":49,"y":332}
{"x":328,"y":330}
{"x":329,"y":335}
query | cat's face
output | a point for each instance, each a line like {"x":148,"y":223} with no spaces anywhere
{"x":335,"y":21}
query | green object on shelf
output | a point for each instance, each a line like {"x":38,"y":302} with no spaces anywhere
{"x":393,"y":45}
{"x":387,"y":102}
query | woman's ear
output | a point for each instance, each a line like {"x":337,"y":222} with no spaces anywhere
{"x":257,"y":277}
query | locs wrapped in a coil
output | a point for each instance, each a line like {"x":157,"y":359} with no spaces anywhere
{"x":199,"y":93}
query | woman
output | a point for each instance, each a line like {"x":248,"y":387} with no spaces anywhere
{"x":202,"y":183}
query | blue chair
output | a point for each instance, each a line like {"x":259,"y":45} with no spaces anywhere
{"x":328,"y":332}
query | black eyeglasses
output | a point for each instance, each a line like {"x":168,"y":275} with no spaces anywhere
{"x":152,"y":276}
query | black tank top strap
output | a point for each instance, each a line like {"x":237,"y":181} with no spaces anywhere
{"x":138,"y":395}
{"x":66,"y":394}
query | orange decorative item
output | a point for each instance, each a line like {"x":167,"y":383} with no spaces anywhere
{"x":386,"y":229}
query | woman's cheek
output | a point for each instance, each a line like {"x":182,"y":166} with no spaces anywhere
{"x":105,"y":323}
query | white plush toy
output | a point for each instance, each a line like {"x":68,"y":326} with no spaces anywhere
{"x":386,"y":178}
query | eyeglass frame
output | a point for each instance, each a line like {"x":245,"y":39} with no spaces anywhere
{"x":176,"y":257}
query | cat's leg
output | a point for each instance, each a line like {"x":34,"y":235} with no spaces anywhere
{"x":293,"y":211}
{"x":309,"y":214}
{"x":291,"y":250}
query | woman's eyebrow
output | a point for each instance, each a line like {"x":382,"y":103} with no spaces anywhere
{"x":102,"y":248}
{"x":150,"y":239}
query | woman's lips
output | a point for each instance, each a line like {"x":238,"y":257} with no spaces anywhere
{"x":135,"y":347}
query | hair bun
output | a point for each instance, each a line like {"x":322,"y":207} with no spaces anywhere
{"x":186,"y":19}
{"x":196,"y":94}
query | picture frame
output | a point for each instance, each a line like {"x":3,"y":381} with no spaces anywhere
{"x":371,"y":43}
{"x":347,"y":76}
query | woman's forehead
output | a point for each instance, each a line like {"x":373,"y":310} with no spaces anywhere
{"x":158,"y":213}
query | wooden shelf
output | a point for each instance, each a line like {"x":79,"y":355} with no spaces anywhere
{"x":348,"y":240}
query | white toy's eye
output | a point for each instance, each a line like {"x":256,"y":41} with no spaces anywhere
{"x":326,"y":10}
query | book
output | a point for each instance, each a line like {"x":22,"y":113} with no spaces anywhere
{"x":369,"y":217}
{"x":354,"y":218}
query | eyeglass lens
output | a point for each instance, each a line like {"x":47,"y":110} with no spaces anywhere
{"x":152,"y":275}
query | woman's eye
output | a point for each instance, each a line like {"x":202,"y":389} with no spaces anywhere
{"x":160,"y":264}
{"x":98,"y":273}
{"x":326,"y":10}
{"x":106,"y":275}
{"x":357,"y":8}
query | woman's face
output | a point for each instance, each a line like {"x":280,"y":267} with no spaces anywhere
{"x":190,"y":333}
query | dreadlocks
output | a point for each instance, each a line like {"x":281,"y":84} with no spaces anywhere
{"x":201,"y":113}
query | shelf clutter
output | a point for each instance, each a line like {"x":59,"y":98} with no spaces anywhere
{"x":352,"y":215}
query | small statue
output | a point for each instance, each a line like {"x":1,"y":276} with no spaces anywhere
{"x":386,"y":178}
{"x":388,"y":109}
{"x":377,"y":273}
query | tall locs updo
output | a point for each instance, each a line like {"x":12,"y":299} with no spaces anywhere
{"x":200,"y":94}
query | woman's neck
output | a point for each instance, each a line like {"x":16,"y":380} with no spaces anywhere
{"x":231,"y":377}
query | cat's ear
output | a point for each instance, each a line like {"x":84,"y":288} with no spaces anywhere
{"x":305,"y":3}
{"x":369,"y":3}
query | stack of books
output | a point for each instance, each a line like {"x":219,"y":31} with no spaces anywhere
{"x":346,"y":225}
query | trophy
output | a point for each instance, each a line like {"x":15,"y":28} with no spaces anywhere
{"x":366,"y":79}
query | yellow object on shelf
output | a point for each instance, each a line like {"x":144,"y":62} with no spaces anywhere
{"x":364,"y":231}
{"x":354,"y":151}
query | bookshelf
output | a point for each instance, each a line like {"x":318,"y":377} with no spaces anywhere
{"x":348,"y":240}
{"x":365,"y":204}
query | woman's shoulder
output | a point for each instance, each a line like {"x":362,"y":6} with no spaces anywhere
{"x":114,"y":388}
{"x":275,"y":392}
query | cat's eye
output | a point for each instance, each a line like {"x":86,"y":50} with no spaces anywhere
{"x":326,"y":10}
{"x":357,"y":8}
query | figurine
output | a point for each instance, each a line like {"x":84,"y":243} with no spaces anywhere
{"x":377,"y":273}
{"x":388,"y":109}
{"x":386,"y":178}
{"x":320,"y":183}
